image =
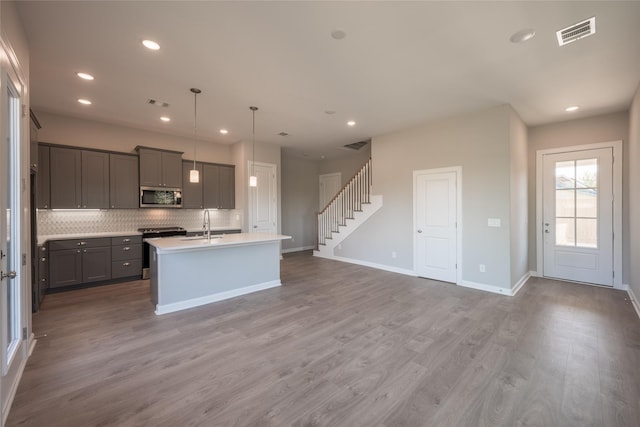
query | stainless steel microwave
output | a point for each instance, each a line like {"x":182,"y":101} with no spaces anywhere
{"x":160,"y":197}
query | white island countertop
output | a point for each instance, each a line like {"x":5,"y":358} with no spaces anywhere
{"x":186,"y":244}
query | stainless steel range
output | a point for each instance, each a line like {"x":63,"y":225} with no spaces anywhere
{"x":153,"y":232}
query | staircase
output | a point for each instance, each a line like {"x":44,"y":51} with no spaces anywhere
{"x":351,"y":207}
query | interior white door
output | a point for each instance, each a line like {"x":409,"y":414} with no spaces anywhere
{"x":578,"y":216}
{"x":329,"y":187}
{"x":263,"y":200}
{"x":12,"y":279}
{"x":435,"y":242}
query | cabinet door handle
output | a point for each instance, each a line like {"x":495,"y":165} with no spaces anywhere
{"x":126,"y":248}
{"x":43,"y":259}
{"x":83,"y":243}
{"x":78,"y":251}
{"x":85,"y":251}
{"x":43,"y":280}
{"x":126,"y":264}
{"x":126,"y":240}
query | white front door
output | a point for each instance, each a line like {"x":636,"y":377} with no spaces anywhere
{"x":435,"y":218}
{"x":13,"y":280}
{"x":330,"y":184}
{"x":578,"y":216}
{"x":263,"y":200}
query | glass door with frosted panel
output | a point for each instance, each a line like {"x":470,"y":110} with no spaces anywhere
{"x":578,"y":216}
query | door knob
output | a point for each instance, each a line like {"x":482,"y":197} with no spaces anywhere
{"x":10,"y":275}
{"x":419,"y":231}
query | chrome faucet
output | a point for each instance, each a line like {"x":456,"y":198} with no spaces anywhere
{"x":206,"y":225}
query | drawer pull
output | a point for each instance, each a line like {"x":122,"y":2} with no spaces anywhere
{"x":43,"y":280}
{"x":43,"y":259}
{"x":126,"y":264}
{"x":126,"y":240}
{"x":126,"y":248}
{"x":43,"y":249}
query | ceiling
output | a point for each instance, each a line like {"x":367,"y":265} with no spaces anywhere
{"x":401,"y":63}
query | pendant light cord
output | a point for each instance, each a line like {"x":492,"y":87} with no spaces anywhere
{"x":195,"y":126}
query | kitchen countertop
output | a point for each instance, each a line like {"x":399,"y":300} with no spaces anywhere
{"x":44,"y":239}
{"x":182,"y":244}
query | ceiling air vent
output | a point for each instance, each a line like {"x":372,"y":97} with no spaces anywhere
{"x":576,"y":31}
{"x":356,"y":145}
{"x":157,"y":103}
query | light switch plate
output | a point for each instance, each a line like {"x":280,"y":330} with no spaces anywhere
{"x":493,"y":222}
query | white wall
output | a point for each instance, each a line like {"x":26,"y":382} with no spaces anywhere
{"x":65,"y":130}
{"x":348,"y":164}
{"x":478,"y":142}
{"x":299,"y":200}
{"x":634,"y":195}
{"x":519,"y":213}
{"x":604,"y":128}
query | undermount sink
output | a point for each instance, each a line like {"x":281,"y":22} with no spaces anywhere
{"x":217,"y":236}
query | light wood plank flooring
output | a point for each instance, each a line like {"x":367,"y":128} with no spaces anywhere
{"x":336,"y":345}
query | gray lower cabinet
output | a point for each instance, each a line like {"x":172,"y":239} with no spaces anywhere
{"x":78,"y":261}
{"x":126,"y":257}
{"x":123,"y":181}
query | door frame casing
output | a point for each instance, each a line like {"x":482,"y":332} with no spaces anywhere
{"x":616,"y":146}
{"x":459,"y":229}
{"x":250,"y":196}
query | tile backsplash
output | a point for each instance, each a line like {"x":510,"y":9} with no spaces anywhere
{"x":52,"y":222}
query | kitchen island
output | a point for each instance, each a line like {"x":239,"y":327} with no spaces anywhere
{"x":188,"y":272}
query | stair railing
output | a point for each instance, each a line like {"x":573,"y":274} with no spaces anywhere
{"x":348,"y":200}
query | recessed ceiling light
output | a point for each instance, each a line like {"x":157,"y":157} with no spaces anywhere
{"x":351,"y":123}
{"x":165,"y":119}
{"x":84,"y":101}
{"x":522,"y":35}
{"x":338,"y":34}
{"x":224,"y":131}
{"x":150,"y":44}
{"x":85,"y":76}
{"x":572,"y":108}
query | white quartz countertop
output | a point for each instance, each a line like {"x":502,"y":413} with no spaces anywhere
{"x":182,"y":243}
{"x":46,"y":238}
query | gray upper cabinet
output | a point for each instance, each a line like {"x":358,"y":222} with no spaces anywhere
{"x":123,"y":181}
{"x":43,"y":193}
{"x":191,"y":191}
{"x":218,"y":186}
{"x":160,"y":168}
{"x":66,"y":181}
{"x":95,"y":180}
{"x":79,"y":179}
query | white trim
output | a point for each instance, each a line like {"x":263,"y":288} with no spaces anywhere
{"x":298,"y":249}
{"x":617,"y":203}
{"x":634,"y":300}
{"x":195,"y":302}
{"x":366,"y":264}
{"x":12,"y":391}
{"x":32,"y":344}
{"x":520,"y":283}
{"x":486,"y":288}
{"x":458,"y":171}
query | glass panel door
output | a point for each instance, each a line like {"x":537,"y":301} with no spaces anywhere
{"x":10,"y":266}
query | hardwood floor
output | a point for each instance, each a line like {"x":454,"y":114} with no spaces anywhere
{"x":336,"y":345}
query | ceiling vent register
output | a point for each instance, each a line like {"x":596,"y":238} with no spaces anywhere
{"x":576,"y":31}
{"x":157,"y":103}
{"x":356,"y":145}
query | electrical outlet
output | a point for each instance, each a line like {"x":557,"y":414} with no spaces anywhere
{"x":394,"y":254}
{"x":482,"y":268}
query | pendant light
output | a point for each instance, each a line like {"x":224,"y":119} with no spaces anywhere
{"x":253,"y":179}
{"x":194,"y":174}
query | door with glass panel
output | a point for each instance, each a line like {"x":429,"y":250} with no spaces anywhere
{"x":12,"y":316}
{"x":578,"y":216}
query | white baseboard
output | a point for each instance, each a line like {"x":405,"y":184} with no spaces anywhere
{"x":634,"y":300}
{"x":13,"y":389}
{"x":32,"y":344}
{"x":299,"y":249}
{"x":367,"y":264}
{"x":195,"y":302}
{"x":486,"y":288}
{"x":521,"y":283}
